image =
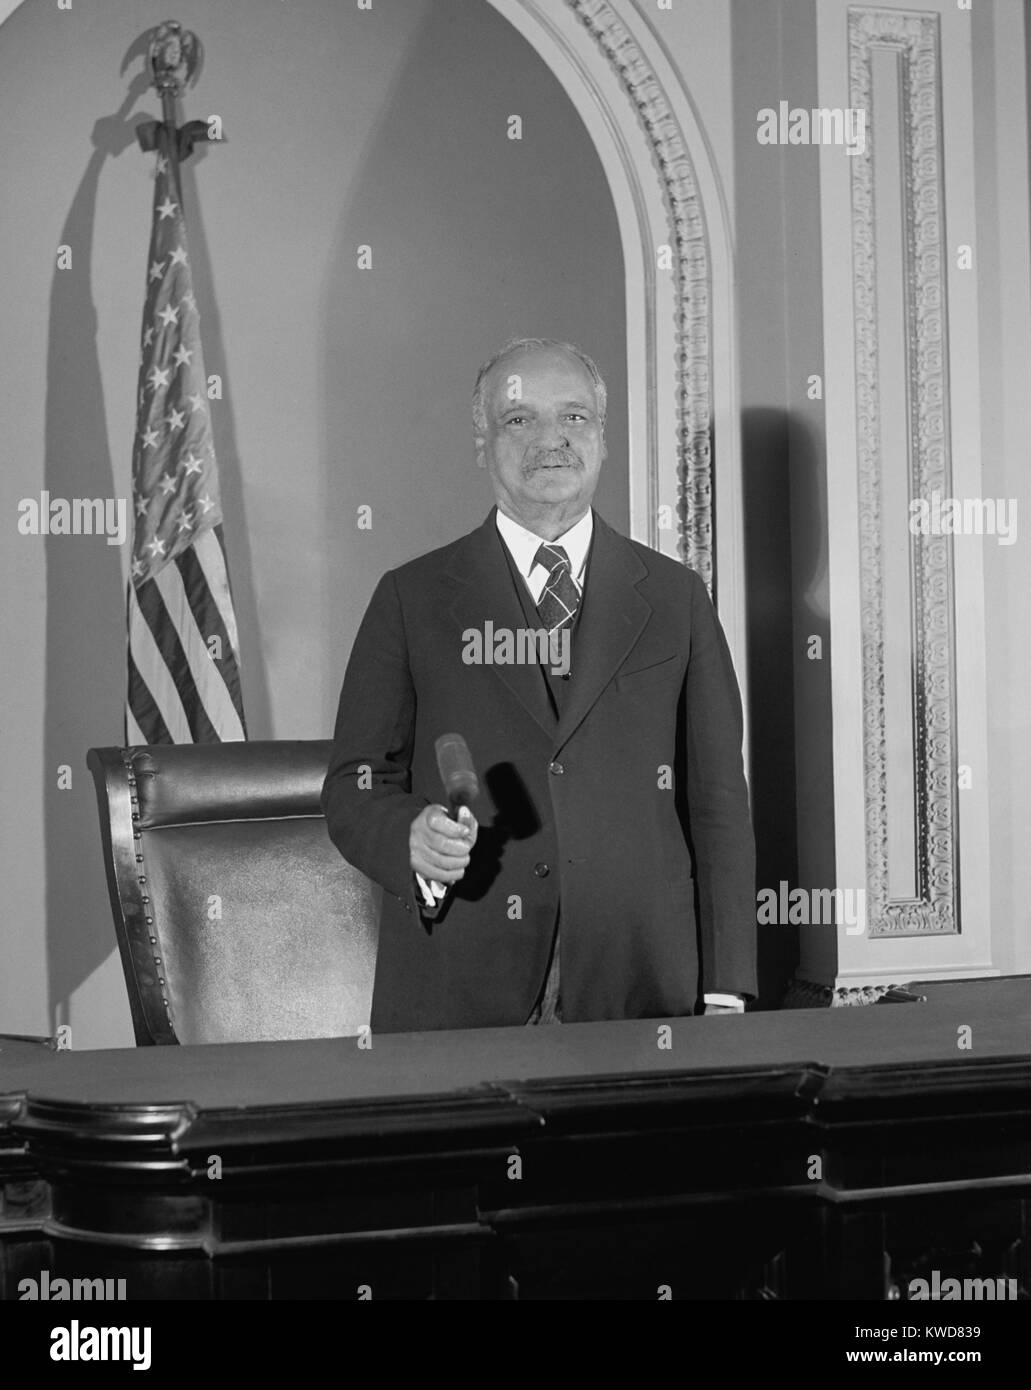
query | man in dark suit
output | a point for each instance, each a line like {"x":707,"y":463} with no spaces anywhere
{"x":606,"y":869}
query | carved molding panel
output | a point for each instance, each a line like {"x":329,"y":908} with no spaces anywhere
{"x":691,"y":267}
{"x":907,"y":44}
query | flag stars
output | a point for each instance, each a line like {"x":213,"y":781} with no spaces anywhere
{"x":168,"y":474}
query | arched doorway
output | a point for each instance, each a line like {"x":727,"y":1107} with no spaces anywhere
{"x":684,"y":436}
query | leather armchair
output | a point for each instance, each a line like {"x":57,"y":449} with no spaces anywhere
{"x":237,"y":919}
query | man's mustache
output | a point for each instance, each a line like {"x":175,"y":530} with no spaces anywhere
{"x":544,"y":458}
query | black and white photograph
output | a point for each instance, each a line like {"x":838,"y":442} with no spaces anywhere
{"x":516,"y":651}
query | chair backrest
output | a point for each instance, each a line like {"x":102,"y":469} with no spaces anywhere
{"x":237,"y":919}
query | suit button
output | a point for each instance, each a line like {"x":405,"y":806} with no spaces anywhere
{"x":556,"y":769}
{"x":541,"y":870}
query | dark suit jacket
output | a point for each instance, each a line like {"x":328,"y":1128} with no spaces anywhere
{"x":631,"y":807}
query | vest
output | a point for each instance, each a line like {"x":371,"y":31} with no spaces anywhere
{"x":557,"y":686}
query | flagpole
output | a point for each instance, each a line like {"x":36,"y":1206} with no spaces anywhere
{"x":174,"y":56}
{"x":170,"y":90}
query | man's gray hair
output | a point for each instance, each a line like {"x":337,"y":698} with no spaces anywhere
{"x":518,"y":345}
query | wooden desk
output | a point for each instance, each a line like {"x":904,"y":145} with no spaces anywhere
{"x":802,"y":1154}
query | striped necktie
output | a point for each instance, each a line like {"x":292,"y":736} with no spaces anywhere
{"x":557,"y":606}
{"x":560,"y":598}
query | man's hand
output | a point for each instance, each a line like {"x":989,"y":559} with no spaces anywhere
{"x":721,"y":1009}
{"x":439,"y":847}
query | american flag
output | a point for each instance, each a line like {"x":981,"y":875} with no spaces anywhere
{"x":184,"y":679}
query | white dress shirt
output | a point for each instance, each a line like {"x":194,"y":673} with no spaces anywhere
{"x":523,"y":545}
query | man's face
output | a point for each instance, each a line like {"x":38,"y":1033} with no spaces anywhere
{"x":544,"y":442}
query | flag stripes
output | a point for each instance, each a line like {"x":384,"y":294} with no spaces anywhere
{"x":180,"y":671}
{"x":202,"y":679}
{"x":183,"y":672}
{"x":141,"y":700}
{"x":209,"y":553}
{"x":156,"y":682}
{"x":206,"y":583}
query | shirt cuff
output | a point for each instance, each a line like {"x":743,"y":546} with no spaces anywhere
{"x":730,"y":1001}
{"x":432,"y":891}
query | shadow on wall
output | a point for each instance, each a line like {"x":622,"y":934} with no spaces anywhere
{"x":814,"y":789}
{"x":786,"y":572}
{"x":780,"y":333}
{"x":767,"y":520}
{"x":474,"y":239}
{"x":85,"y":624}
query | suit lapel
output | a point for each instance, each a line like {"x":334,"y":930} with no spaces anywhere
{"x":487,"y":594}
{"x":613,"y":617}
